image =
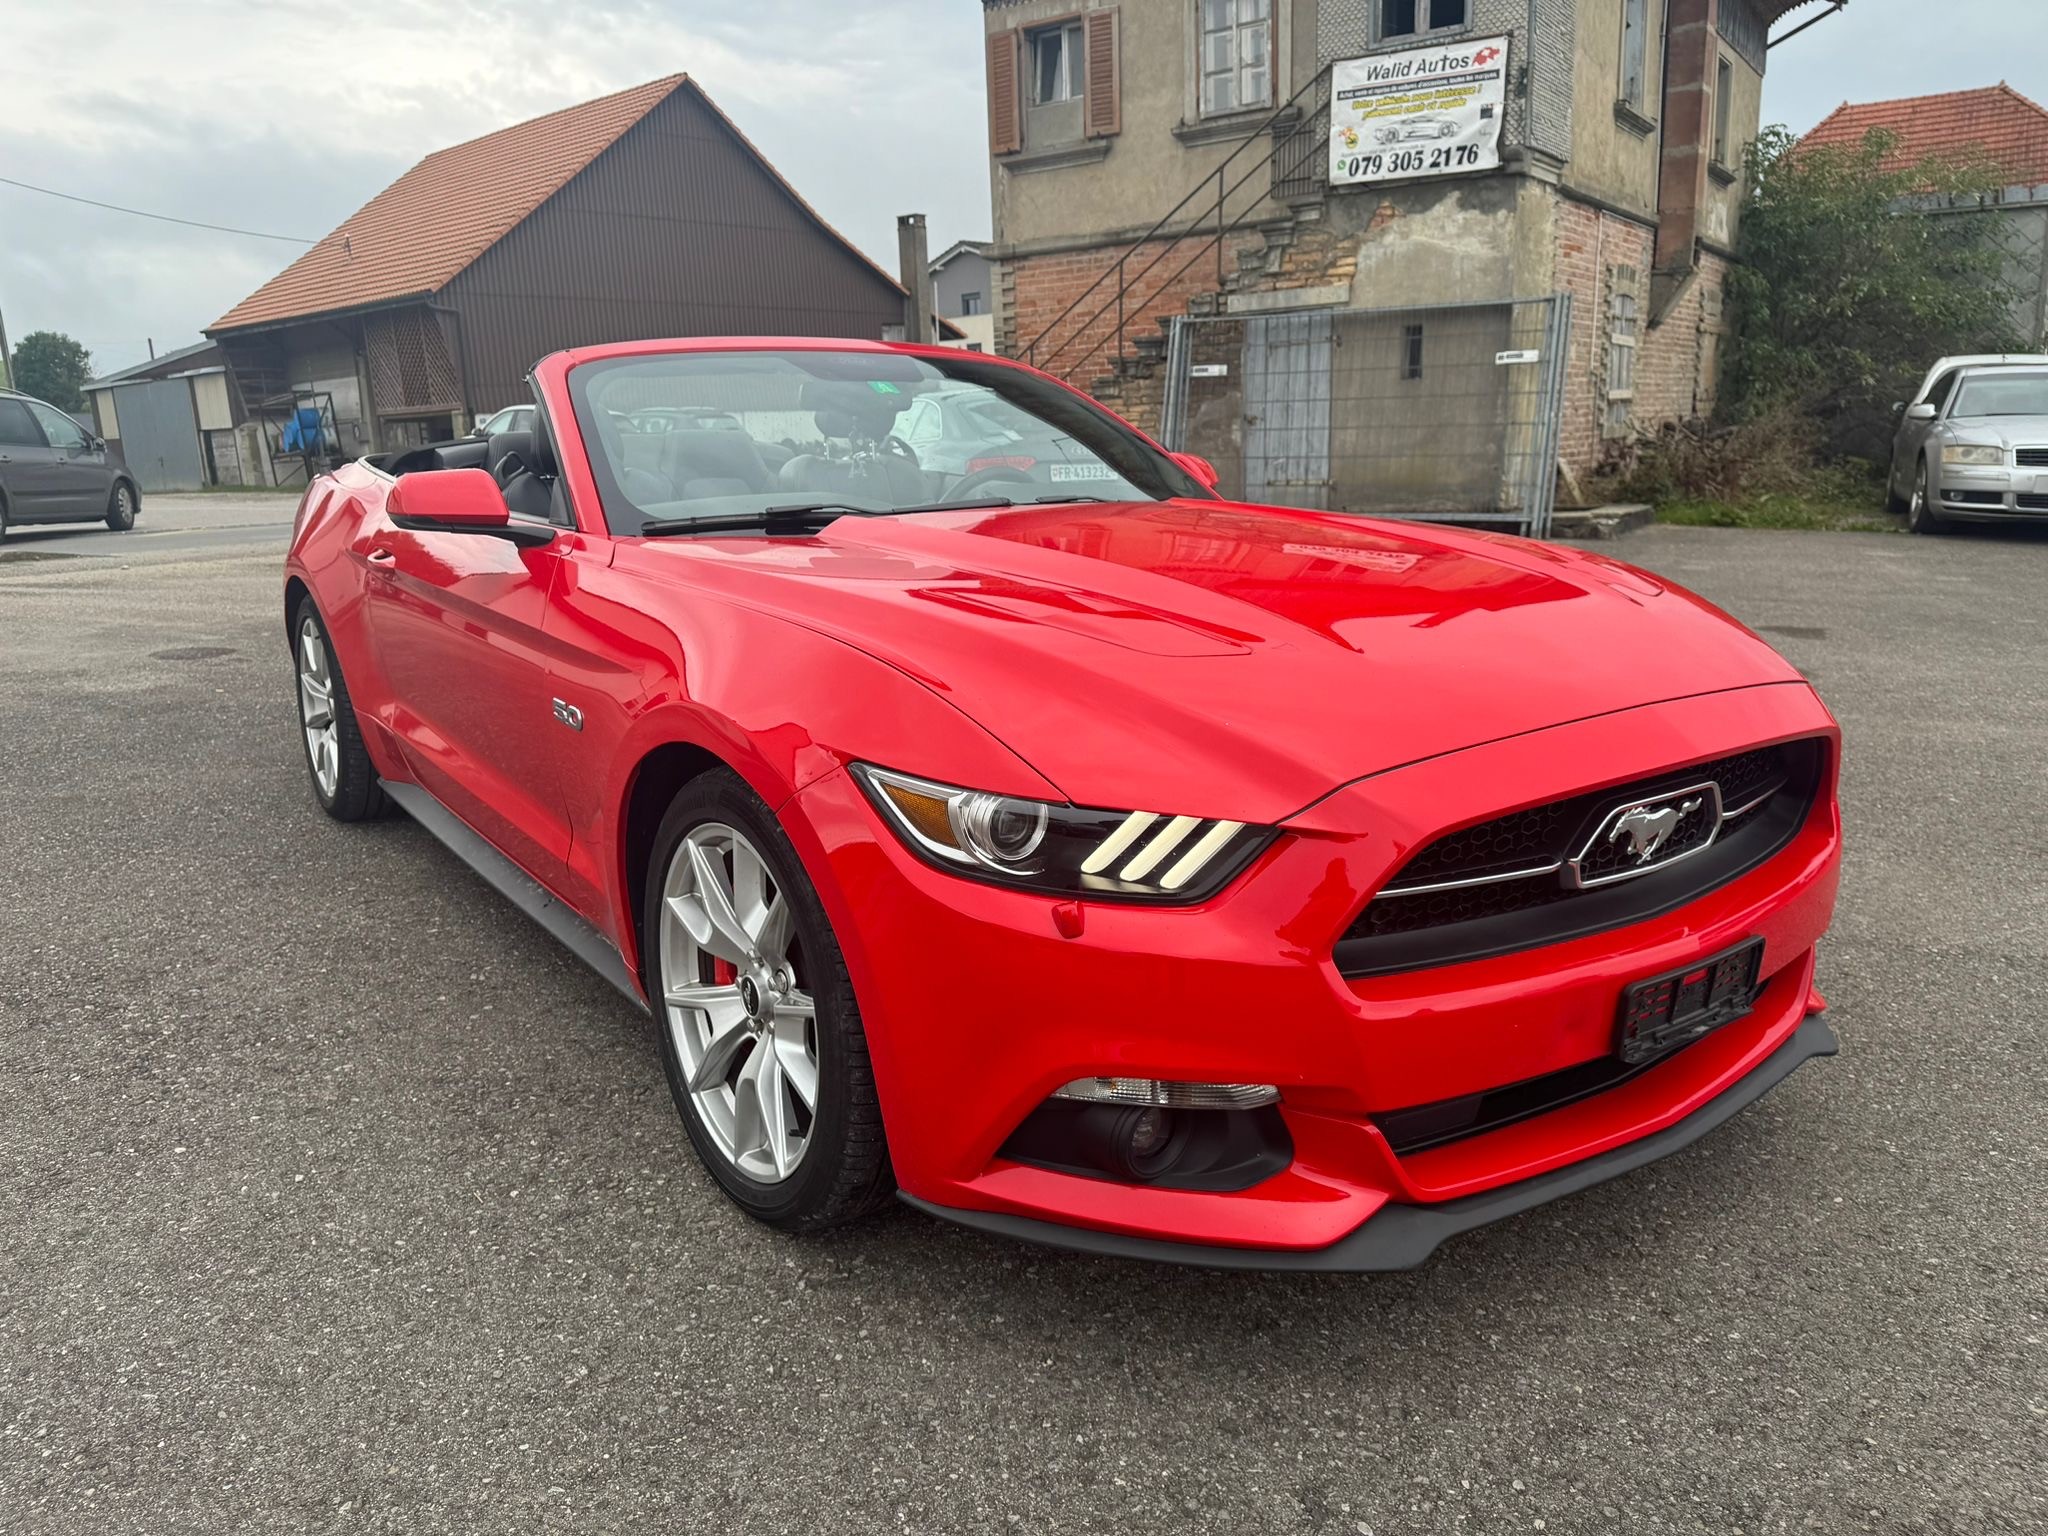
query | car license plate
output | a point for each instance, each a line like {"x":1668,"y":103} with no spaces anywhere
{"x":1665,"y":1012}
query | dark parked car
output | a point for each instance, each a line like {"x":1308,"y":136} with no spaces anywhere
{"x":54,"y":471}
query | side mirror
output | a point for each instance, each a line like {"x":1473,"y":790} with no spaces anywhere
{"x":1922,"y":412}
{"x":1199,"y":467}
{"x":458,"y":501}
{"x":1898,"y":407}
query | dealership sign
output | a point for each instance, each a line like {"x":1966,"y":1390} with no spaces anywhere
{"x":1423,"y":112}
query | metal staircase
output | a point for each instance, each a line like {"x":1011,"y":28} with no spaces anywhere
{"x":1283,"y":159}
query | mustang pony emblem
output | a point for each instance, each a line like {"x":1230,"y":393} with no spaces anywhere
{"x":1649,"y":830}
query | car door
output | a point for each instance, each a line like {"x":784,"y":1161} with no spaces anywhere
{"x":28,"y":467}
{"x":81,"y":480}
{"x":454,"y":620}
{"x":1913,"y":435}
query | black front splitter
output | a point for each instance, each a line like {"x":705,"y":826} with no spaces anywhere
{"x":1402,"y":1236}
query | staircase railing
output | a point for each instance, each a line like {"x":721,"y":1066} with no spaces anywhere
{"x":1297,"y":167}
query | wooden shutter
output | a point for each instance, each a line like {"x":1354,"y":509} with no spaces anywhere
{"x":1103,"y":109}
{"x":1005,"y":95}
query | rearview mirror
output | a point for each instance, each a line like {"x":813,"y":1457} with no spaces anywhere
{"x":458,"y":501}
{"x":1199,"y":467}
{"x":1921,"y":412}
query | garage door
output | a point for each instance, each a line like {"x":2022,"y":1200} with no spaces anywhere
{"x":160,"y":435}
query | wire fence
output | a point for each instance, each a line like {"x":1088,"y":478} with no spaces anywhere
{"x":1448,"y":413}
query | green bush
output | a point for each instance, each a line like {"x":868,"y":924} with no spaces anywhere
{"x":1854,"y":278}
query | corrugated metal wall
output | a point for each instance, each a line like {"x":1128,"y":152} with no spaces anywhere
{"x":674,"y":231}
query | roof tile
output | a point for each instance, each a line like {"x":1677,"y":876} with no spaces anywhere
{"x":445,"y":212}
{"x":1996,"y":122}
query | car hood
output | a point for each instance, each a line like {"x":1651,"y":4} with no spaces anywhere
{"x":2006,"y":431}
{"x":1211,"y":659}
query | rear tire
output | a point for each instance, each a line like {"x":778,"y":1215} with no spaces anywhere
{"x":771,"y":1015}
{"x":1920,"y":514}
{"x":122,"y":507}
{"x":337,"y":761}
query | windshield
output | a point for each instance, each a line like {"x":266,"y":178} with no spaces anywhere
{"x":2002,"y":394}
{"x":694,"y":435}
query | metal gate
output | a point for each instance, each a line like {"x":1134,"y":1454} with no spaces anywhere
{"x":1446,"y":413}
{"x":160,"y":434}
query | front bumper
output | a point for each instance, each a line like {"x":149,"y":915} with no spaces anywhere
{"x":980,"y":1001}
{"x":1991,"y":495}
{"x":1402,"y":1236}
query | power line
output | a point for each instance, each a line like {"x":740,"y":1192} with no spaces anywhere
{"x":226,"y":229}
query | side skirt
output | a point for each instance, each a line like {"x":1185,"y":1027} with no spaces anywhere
{"x":518,"y":887}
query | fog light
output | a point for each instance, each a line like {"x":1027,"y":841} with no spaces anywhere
{"x":1164,"y":1095}
{"x":1143,"y":1141}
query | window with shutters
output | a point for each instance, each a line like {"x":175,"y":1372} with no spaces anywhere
{"x":1236,"y":55}
{"x":1053,"y":86}
{"x":1414,"y":18}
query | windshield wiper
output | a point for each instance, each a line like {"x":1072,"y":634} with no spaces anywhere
{"x":1044,"y":501}
{"x":800,"y":518}
{"x":803,"y":517}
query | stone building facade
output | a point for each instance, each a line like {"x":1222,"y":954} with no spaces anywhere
{"x":1623,"y":134}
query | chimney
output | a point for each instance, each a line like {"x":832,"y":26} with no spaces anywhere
{"x":917,"y":278}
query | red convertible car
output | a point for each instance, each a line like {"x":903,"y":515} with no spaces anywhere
{"x":1046,"y":840}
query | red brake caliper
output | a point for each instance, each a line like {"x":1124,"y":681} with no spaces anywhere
{"x":723,"y":972}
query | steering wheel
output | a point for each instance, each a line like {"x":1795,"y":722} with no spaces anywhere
{"x":995,"y":474}
{"x":894,"y":447}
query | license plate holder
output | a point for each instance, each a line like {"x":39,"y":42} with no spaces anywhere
{"x":1665,"y":1012}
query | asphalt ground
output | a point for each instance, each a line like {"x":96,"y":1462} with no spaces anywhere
{"x":336,"y":1197}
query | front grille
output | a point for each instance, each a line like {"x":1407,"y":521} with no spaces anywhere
{"x":1509,"y":883}
{"x":2032,"y":458}
{"x":2033,"y":503}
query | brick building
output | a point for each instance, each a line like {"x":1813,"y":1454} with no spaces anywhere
{"x":1621,"y":129}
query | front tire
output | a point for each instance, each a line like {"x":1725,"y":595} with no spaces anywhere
{"x":122,"y":506}
{"x":1894,"y":503}
{"x":337,"y":761}
{"x":761,"y":1037}
{"x":1920,"y":514}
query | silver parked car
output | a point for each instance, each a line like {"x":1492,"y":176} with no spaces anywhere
{"x":1974,"y":448}
{"x":54,"y":471}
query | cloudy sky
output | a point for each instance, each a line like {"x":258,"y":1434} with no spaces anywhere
{"x":285,"y":118}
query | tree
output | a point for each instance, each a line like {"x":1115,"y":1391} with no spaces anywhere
{"x":53,"y":367}
{"x":1854,"y":278}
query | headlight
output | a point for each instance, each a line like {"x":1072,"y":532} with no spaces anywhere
{"x":1062,"y":850}
{"x":1972,"y":453}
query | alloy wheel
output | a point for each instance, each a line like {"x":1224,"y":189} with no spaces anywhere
{"x":316,"y":709}
{"x":745,"y":1027}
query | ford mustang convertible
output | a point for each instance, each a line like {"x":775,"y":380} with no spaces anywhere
{"x":1042,"y":838}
